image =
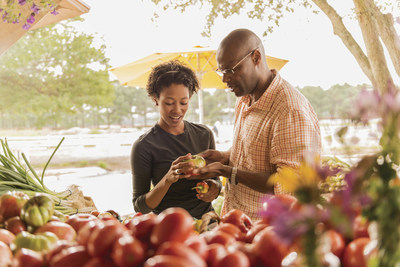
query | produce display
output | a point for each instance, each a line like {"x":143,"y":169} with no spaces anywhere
{"x":149,"y":240}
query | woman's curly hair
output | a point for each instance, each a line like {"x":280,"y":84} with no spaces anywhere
{"x":165,"y":74}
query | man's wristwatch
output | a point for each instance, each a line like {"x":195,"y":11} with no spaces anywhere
{"x":232,"y":179}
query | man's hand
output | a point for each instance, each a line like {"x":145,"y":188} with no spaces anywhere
{"x":212,"y":155}
{"x":209,"y":171}
{"x":213,"y":191}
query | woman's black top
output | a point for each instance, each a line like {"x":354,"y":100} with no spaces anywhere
{"x":151,"y":158}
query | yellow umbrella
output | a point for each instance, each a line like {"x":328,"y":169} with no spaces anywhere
{"x":203,"y":62}
{"x":10,"y":33}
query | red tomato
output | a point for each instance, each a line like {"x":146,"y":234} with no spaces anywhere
{"x":215,"y":252}
{"x":167,"y":261}
{"x":247,"y":249}
{"x":129,"y":218}
{"x":28,"y":258}
{"x":100,"y":262}
{"x":128,"y":251}
{"x":198,"y":244}
{"x":11,"y":204}
{"x":6,"y":255}
{"x":62,"y":230}
{"x":337,"y":242}
{"x":102,"y":239}
{"x":236,"y":259}
{"x":269,"y":248}
{"x":173,"y":224}
{"x":253,"y":231}
{"x":6,"y":236}
{"x":238,"y":218}
{"x":360,"y":227}
{"x":183,"y":251}
{"x":76,"y":256}
{"x":77,"y":221}
{"x":85,"y":232}
{"x":142,"y":226}
{"x":15,"y":225}
{"x":57,"y":248}
{"x":231,"y":229}
{"x":353,"y":255}
{"x":218,"y":237}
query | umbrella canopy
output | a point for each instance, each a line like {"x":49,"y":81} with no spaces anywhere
{"x":10,"y":33}
{"x":203,"y":62}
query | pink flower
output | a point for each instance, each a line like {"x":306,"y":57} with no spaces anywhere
{"x":31,"y":18}
{"x":35,"y":8}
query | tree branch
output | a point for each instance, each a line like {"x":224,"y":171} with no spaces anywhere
{"x":341,"y":31}
{"x":374,"y":47}
{"x":388,"y":34}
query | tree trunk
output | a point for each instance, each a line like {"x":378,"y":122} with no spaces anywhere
{"x":341,"y":31}
{"x":373,"y":45}
{"x":388,"y":34}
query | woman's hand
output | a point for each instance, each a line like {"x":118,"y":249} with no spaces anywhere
{"x":178,"y":169}
{"x":213,"y":191}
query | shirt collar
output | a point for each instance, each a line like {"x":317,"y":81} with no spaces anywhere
{"x":265,"y":101}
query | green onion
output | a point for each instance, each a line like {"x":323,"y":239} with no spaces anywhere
{"x":18,"y":176}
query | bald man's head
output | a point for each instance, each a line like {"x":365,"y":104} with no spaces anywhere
{"x":237,"y":44}
{"x":241,"y":60}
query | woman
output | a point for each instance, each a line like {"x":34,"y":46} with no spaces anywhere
{"x":158,"y":156}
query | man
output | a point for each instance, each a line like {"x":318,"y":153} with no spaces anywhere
{"x":275,"y":125}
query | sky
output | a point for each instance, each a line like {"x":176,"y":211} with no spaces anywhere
{"x":316,"y":56}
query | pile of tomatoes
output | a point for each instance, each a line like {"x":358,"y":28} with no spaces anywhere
{"x":167,"y":239}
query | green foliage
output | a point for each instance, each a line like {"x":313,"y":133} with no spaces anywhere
{"x":270,"y":11}
{"x":102,"y":164}
{"x":332,"y":103}
{"x":52,"y":72}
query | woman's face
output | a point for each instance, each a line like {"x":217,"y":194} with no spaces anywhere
{"x":172,"y":106}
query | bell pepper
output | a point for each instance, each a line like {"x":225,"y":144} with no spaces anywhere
{"x":38,"y":210}
{"x":201,"y":187}
{"x":37,"y":242}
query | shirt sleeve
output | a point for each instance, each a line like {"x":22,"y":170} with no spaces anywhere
{"x":141,"y":176}
{"x":295,"y":135}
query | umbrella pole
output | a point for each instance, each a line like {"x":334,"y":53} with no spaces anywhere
{"x":201,"y":114}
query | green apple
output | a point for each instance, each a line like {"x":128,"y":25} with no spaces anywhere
{"x":197,"y":161}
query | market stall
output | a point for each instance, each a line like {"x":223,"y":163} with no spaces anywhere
{"x":334,"y":215}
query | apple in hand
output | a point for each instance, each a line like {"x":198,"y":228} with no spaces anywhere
{"x":196,"y":162}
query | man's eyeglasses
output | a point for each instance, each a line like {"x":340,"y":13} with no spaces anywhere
{"x":232,"y":70}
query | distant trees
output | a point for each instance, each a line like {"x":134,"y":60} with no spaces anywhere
{"x":56,"y":77}
{"x":332,"y":103}
{"x":53,"y":76}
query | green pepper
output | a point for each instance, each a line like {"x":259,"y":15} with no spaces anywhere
{"x":38,"y":210}
{"x":38,"y":242}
